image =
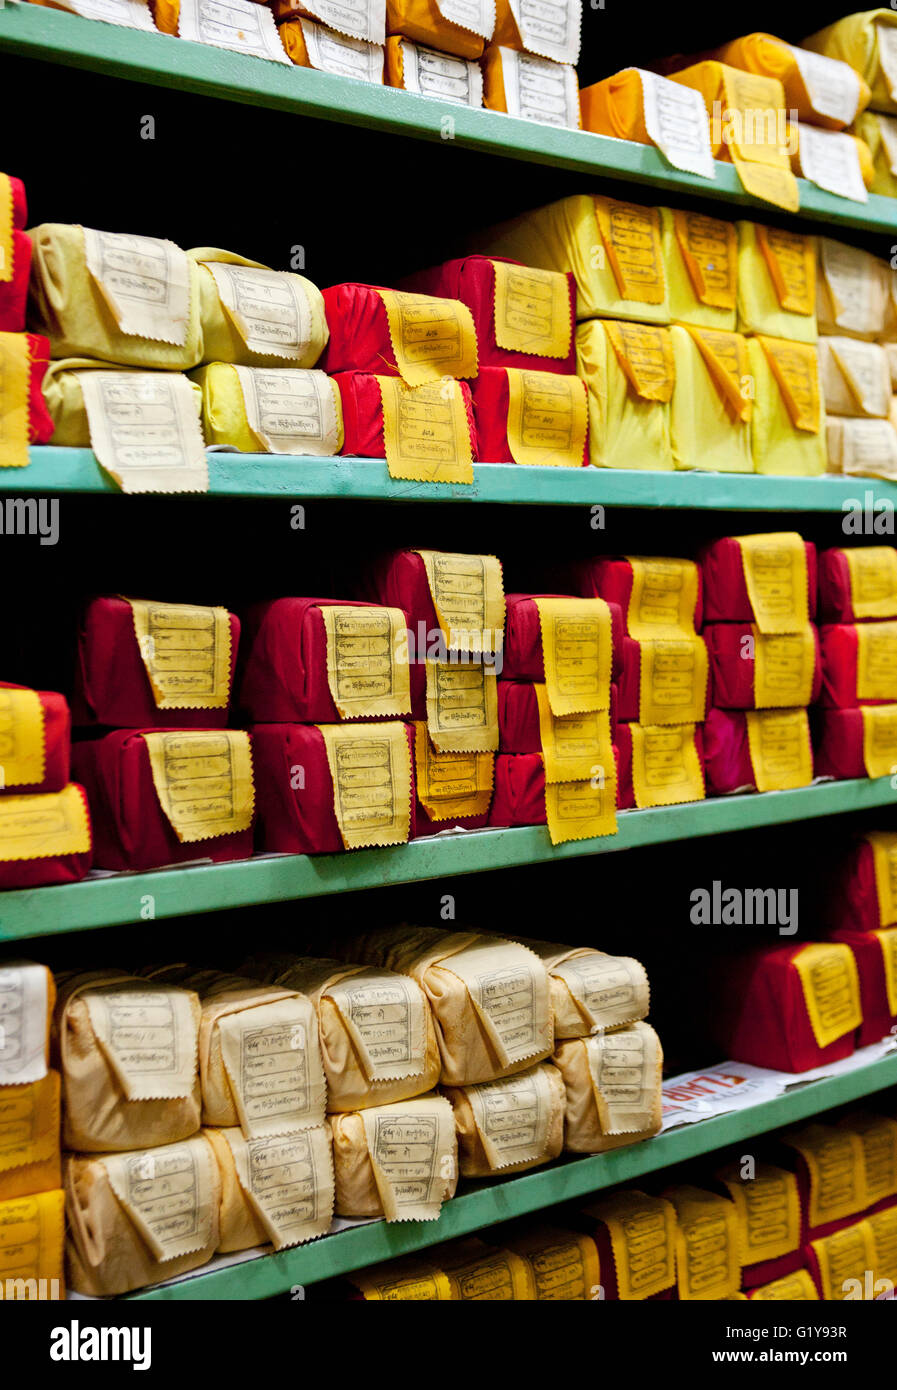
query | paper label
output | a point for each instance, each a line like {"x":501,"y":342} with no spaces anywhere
{"x":22,"y":748}
{"x":145,"y":282}
{"x":371,"y":773}
{"x":144,"y":430}
{"x":385,"y":1015}
{"x":832,"y":86}
{"x":15,"y":409}
{"x":865,"y":372}
{"x":149,"y":1037}
{"x":631,"y":237}
{"x":548,"y":27}
{"x":237,"y":24}
{"x":844,"y":1257}
{"x":642,"y":1232}
{"x":426,"y":432}
{"x":291,"y":412}
{"x":645,"y":355}
{"x":462,"y":707}
{"x":532,"y":310}
{"x":873,"y":581}
{"x":169,"y":1194}
{"x":887,"y":55}
{"x":581,"y":810}
{"x":834,"y":1160}
{"x":831,"y":160}
{"x":775,"y":576}
{"x":412,"y":1148}
{"x":476,"y":15}
{"x":609,"y":990}
{"x":791,"y":262}
{"x":509,"y":990}
{"x":364,"y":674}
{"x":488,"y":1278}
{"x":780,"y":750}
{"x":6,"y":228}
{"x":539,"y":90}
{"x":831,"y":989}
{"x":31,"y":1240}
{"x":887,"y":126}
{"x":418,"y":1284}
{"x":868,"y":448}
{"x":186,"y":652}
{"x":879,"y":739}
{"x":854,"y":284}
{"x":709,"y":249}
{"x":575,"y":747}
{"x":512,"y":1117}
{"x":203,"y":782}
{"x":269,"y":308}
{"x":451,"y":786}
{"x":706,"y":1245}
{"x":469,"y":599}
{"x":29,"y":1123}
{"x":359,"y":19}
{"x":563,"y":1266}
{"x":884,"y":854}
{"x":24,"y":1021}
{"x":548,"y":418}
{"x":794,"y":1288}
{"x":768,"y":1211}
{"x":432,"y":338}
{"x":663,"y":598}
{"x":43,"y":826}
{"x":625,"y":1069}
{"x":666,"y":768}
{"x":131,"y":14}
{"x":795,"y":367}
{"x":672,"y":680}
{"x":878,"y":1136}
{"x":288,"y":1181}
{"x":784,"y":666}
{"x":887,"y":940}
{"x":876,"y":661}
{"x":577,"y":652}
{"x":273,"y":1062}
{"x":725,"y":357}
{"x":342,"y":54}
{"x":676,"y":121}
{"x":761,"y":162}
{"x":440,"y":75}
{"x":883,"y":1225}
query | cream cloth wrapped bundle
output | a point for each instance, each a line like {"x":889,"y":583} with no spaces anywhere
{"x":510,"y":1125}
{"x":399,"y":1161}
{"x":27,"y":998}
{"x":590,"y":990}
{"x":613,"y":1088}
{"x":140,"y":1218}
{"x":128,"y":1055}
{"x":490,"y":998}
{"x":65,"y":399}
{"x":856,"y":378}
{"x":867,"y":41}
{"x":278,"y":1190}
{"x":256,"y":316}
{"x":851,"y":291}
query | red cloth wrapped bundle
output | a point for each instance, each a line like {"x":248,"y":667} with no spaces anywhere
{"x":522,"y":655}
{"x":40,"y":421}
{"x":878,"y":1021}
{"x":518,"y":717}
{"x":623,"y":753}
{"x":727,"y":756}
{"x":732,"y":665}
{"x":363,"y":415}
{"x":111,"y":683}
{"x":52,"y":869}
{"x":398,"y":579}
{"x":359,"y":331}
{"x":835,"y":600}
{"x":764,"y":1271}
{"x":839,"y":668}
{"x":725,"y":592}
{"x":838,"y":743}
{"x":284,"y":678}
{"x":491,"y":403}
{"x":293,"y":819}
{"x":760,"y":1015}
{"x":14,"y":292}
{"x":791,"y":1158}
{"x":57,"y":743}
{"x":610,"y":578}
{"x":472,"y":280}
{"x":631,"y":682}
{"x":519,"y":796}
{"x":853,"y":895}
{"x":422,"y":826}
{"x":130,"y":829}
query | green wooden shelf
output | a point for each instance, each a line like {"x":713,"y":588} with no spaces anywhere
{"x":501,"y":1200}
{"x":57,"y":471}
{"x":51,"y":35}
{"x":135,"y":898}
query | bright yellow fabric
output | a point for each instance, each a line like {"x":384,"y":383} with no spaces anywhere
{"x":855,"y":41}
{"x":663,"y":597}
{"x":422,"y":21}
{"x":836,"y":1169}
{"x":673,"y":680}
{"x":577,"y":650}
{"x":831,"y":989}
{"x":625,"y":429}
{"x":22,"y":746}
{"x":615,"y":107}
{"x":783,"y":668}
{"x":29,"y":1138}
{"x":221,"y":340}
{"x":768,"y":56}
{"x":780,"y":750}
{"x":760,"y":308}
{"x":777,"y":445}
{"x":426,"y":433}
{"x":704,"y":431}
{"x":877,"y":661}
{"x":581,"y":810}
{"x":791,"y":1288}
{"x":884,"y":857}
{"x":6,"y":229}
{"x":879,"y":740}
{"x":31,"y":1240}
{"x":868,"y":128}
{"x":701,"y":257}
{"x":642,"y":1232}
{"x":844,"y":1260}
{"x":767,"y":1209}
{"x":224,"y":418}
{"x":65,"y":400}
{"x":645,"y":355}
{"x":15,"y":372}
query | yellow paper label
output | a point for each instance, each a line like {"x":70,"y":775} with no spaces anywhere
{"x":29,"y":1123}
{"x":581,"y":811}
{"x":577,"y":651}
{"x":575,"y":747}
{"x":757,"y":107}
{"x":794,"y":1288}
{"x":203,"y":782}
{"x":795,"y":367}
{"x":876,"y":661}
{"x":462,"y":707}
{"x":663,"y":598}
{"x":709,"y":249}
{"x":645,"y":355}
{"x":834,"y":1159}
{"x":532,"y":310}
{"x":426,"y":432}
{"x":666,"y":769}
{"x":879,"y":740}
{"x":415,"y":1284}
{"x":768,"y":1210}
{"x":780,"y":750}
{"x":548,"y":419}
{"x":726,"y":359}
{"x":6,"y":229}
{"x":31,"y":1237}
{"x":22,"y":747}
{"x":564,"y":1266}
{"x":791,"y":262}
{"x":775,"y":575}
{"x":186,"y":652}
{"x":631,"y":237}
{"x":707,"y":1262}
{"x":497,"y":1277}
{"x":884,"y":856}
{"x":873,"y":581}
{"x":365,"y":676}
{"x":451,"y":786}
{"x":43,"y":825}
{"x":883,"y":1225}
{"x":642,"y":1232}
{"x":672,"y":680}
{"x":878,"y":1136}
{"x":784,"y":665}
{"x":14,"y":392}
{"x":469,"y":599}
{"x":844,"y":1259}
{"x":432,"y":338}
{"x":887,"y":940}
{"x":831,"y":988}
{"x":370,"y":769}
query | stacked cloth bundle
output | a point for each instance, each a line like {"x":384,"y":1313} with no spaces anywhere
{"x":24,"y":356}
{"x":867,"y":43}
{"x":863,"y":915}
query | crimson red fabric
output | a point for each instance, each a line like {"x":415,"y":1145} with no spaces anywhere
{"x":518,"y":717}
{"x":472,"y":280}
{"x":54,"y":869}
{"x":294,"y":790}
{"x":631,"y":682}
{"x":878,"y":1021}
{"x":852,"y":895}
{"x":839,"y":667}
{"x":19,"y":203}
{"x":725,"y":592}
{"x":764,"y":1271}
{"x":284,"y":666}
{"x":131,"y":831}
{"x":422,"y":826}
{"x":838,"y":743}
{"x":362,"y":406}
{"x":111,"y":684}
{"x":522,"y":654}
{"x":490,"y":404}
{"x":57,"y":743}
{"x":359,"y":331}
{"x":758,"y":1012}
{"x":610,"y":577}
{"x":835,"y":602}
{"x":731,"y":656}
{"x":40,"y":421}
{"x":519,"y":796}
{"x":727,"y":757}
{"x":623,"y":750}
{"x":14,"y":292}
{"x":827,"y":1228}
{"x":398,"y":579}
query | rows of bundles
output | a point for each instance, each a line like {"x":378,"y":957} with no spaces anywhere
{"x":205,"y":1112}
{"x":813,"y":1218}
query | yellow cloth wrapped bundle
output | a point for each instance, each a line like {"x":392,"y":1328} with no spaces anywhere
{"x":142,"y":1217}
{"x":628,"y":371}
{"x":856,"y":378}
{"x":510,"y":1125}
{"x":612,"y":1083}
{"x":708,"y":1263}
{"x":591,"y":991}
{"x":806,"y":144}
{"x":826,"y":93}
{"x":257,"y":316}
{"x":701,"y":258}
{"x":274,"y":410}
{"x":480,"y":1273}
{"x":613,"y":249}
{"x":130,"y":300}
{"x":398,"y":1161}
{"x":311,"y":45}
{"x":868,"y":42}
{"x":776,"y":283}
{"x":879,"y":133}
{"x":411,"y":1279}
{"x":563,"y":1265}
{"x":852,"y":289}
{"x":431,"y":22}
{"x":413,"y":68}
{"x":787,"y":421}
{"x":532,"y":88}
{"x":31,"y":1244}
{"x":29,"y":1138}
{"x":278,"y":1190}
{"x":710,"y":419}
{"x":65,"y":399}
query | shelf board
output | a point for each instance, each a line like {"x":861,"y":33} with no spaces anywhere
{"x":54,"y":36}
{"x":121,"y":899}
{"x":500,"y":1200}
{"x":58,"y":470}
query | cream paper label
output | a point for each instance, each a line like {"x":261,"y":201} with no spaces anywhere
{"x":237,"y":24}
{"x":169,"y":1194}
{"x":371,"y":774}
{"x":144,"y":430}
{"x":291,"y":412}
{"x":145,"y":282}
{"x":22,"y":739}
{"x":512,"y":1117}
{"x":831,"y":160}
{"x":625,"y":1069}
{"x":413,"y":1154}
{"x":476,"y":15}
{"x":832,"y":86}
{"x":288,"y":1181}
{"x":877,"y":661}
{"x":539,"y":90}
{"x":131,"y":14}
{"x":462,"y":707}
{"x":203,"y":782}
{"x":865,"y":372}
{"x":784,"y":666}
{"x":469,"y":599}
{"x":609,"y":990}
{"x":887,"y":126}
{"x":549,"y":27}
{"x":887,"y":55}
{"x":364,"y":674}
{"x":359,"y":19}
{"x":342,"y":54}
{"x":676,"y":120}
{"x":854,"y":285}
{"x":432,"y":74}
{"x":148,"y":1036}
{"x":532,"y":310}
{"x":269,"y":308}
{"x":509,"y":990}
{"x":24,"y":1007}
{"x":273,"y":1062}
{"x":868,"y":448}
{"x":186,"y":652}
{"x":873,"y":580}
{"x":385,"y":1015}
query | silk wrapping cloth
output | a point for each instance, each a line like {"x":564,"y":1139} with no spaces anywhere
{"x":239,"y":1225}
{"x":760,"y":307}
{"x":868,"y":128}
{"x":610,"y":577}
{"x":40,"y":421}
{"x":777,"y":445}
{"x":65,"y":399}
{"x":473,"y":1159}
{"x":472,"y":280}
{"x":760,"y":1016}
{"x":220,"y":338}
{"x":855,"y":41}
{"x":626,"y":429}
{"x":100,"y":1116}
{"x":300,"y":819}
{"x":838,"y":743}
{"x":225,"y":419}
{"x":725,"y":592}
{"x":35,"y":1165}
{"x":592,"y":1221}
{"x":518,"y":717}
{"x":424,"y":22}
{"x":878,"y":1021}
{"x":360,"y":340}
{"x":57,"y":743}
{"x":398,"y":579}
{"x":131,"y":831}
{"x":732,"y":663}
{"x":853,"y":894}
{"x":14,"y":292}
{"x":705,"y":431}
{"x":836,"y":593}
{"x":840,"y":644}
{"x":727,"y":755}
{"x":522,"y":659}
{"x":357,"y":1193}
{"x":284,"y":671}
{"x":491,"y":400}
{"x":707,"y":77}
{"x":51,"y":868}
{"x":861,"y":308}
{"x":111,"y":682}
{"x":362,"y":407}
{"x":519,"y":795}
{"x":292,"y":36}
{"x":623,"y":752}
